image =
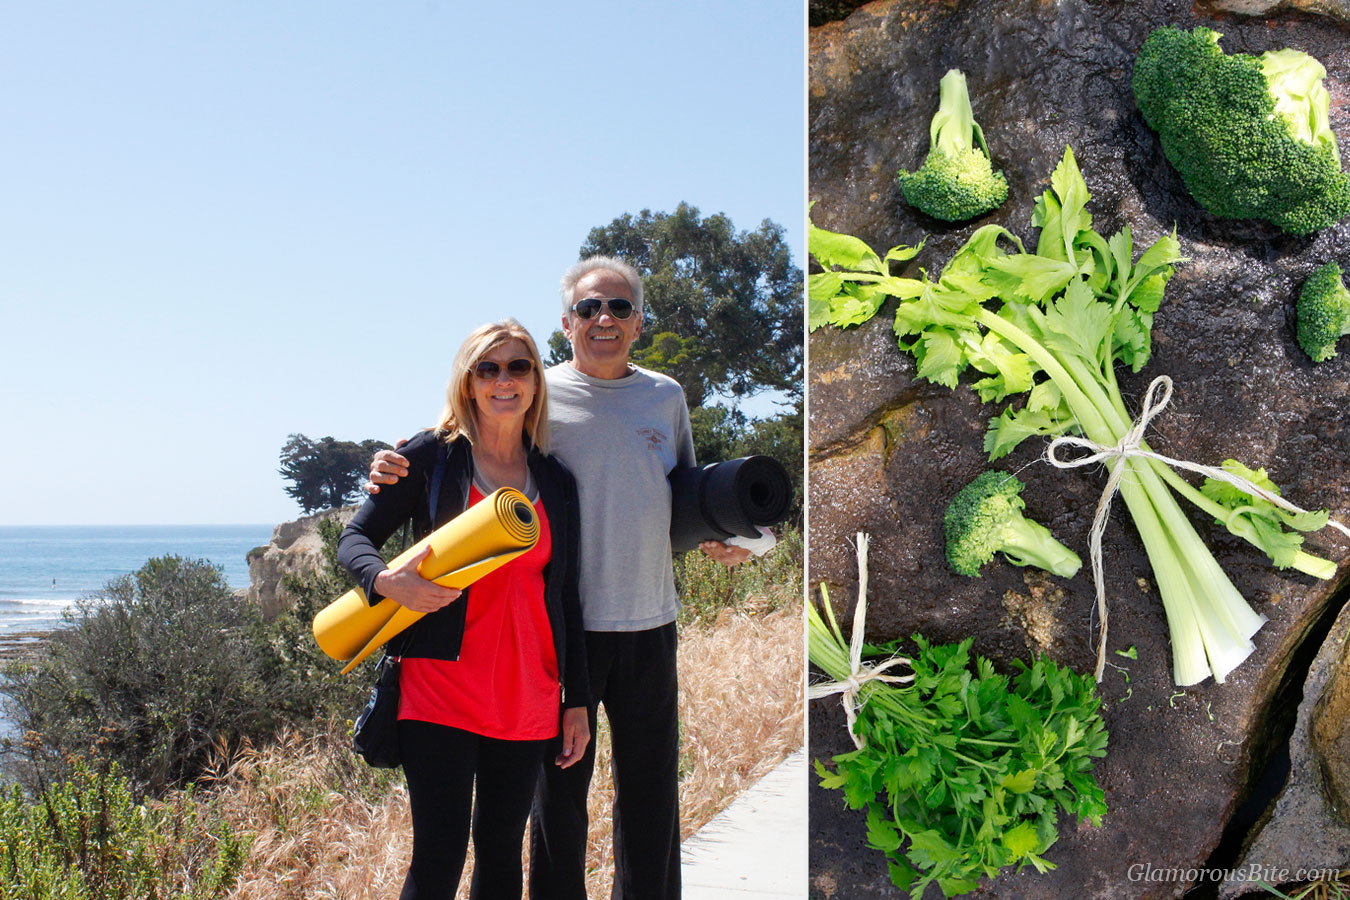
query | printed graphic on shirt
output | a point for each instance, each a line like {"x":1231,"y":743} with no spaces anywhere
{"x":655,"y":439}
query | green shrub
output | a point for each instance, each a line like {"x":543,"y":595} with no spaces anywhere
{"x":157,"y":671}
{"x":86,"y":838}
{"x":306,"y":683}
{"x":162,"y":670}
{"x":762,"y":584}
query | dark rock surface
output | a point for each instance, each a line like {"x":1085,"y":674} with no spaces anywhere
{"x":887,"y":452}
{"x":1337,"y":8}
{"x":821,"y":11}
{"x":1328,"y":735}
{"x":1307,"y":828}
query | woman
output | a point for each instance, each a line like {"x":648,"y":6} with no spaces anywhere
{"x":485,"y":673}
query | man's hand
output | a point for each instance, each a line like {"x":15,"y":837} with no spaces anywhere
{"x":576,"y":734}
{"x":406,"y":586}
{"x":726,"y":554}
{"x":386,"y":467}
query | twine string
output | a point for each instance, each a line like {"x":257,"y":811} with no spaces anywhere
{"x":860,"y":673}
{"x":1131,"y":445}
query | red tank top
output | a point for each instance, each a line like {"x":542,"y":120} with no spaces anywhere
{"x":505,"y":683}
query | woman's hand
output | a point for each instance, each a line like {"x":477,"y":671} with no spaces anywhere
{"x":406,"y":586}
{"x":576,"y":734}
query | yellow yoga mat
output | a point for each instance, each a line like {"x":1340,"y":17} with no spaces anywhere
{"x":484,"y":537}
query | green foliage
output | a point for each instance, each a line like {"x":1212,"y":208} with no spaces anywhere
{"x":722,"y":316}
{"x":1323,"y":312}
{"x":1263,"y":524}
{"x":722,"y":433}
{"x":722,"y":308}
{"x":1053,"y":324}
{"x":985,"y":517}
{"x":770,"y":582}
{"x":964,"y":771}
{"x":307,"y":684}
{"x":1250,"y":136}
{"x":833,"y":299}
{"x":718,"y":431}
{"x":761,"y":584}
{"x":676,"y":356}
{"x":86,"y":838}
{"x":159,"y":670}
{"x":162,"y":670}
{"x":326,"y":473}
{"x":957,"y":180}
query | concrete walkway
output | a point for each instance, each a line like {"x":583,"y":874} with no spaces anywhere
{"x":755,"y":849}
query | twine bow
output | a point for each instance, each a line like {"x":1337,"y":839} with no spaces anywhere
{"x":859,"y":672}
{"x":1131,"y":445}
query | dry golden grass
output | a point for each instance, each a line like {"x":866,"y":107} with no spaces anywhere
{"x":324,"y":825}
{"x":328,"y":828}
{"x":740,"y":715}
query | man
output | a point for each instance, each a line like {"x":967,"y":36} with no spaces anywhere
{"x":620,"y":430}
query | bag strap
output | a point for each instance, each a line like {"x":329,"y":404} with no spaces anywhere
{"x":437,"y":475}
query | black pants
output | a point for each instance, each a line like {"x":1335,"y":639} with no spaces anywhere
{"x":441,"y":765}
{"x":633,"y":675}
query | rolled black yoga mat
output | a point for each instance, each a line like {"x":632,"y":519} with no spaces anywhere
{"x":719,"y":500}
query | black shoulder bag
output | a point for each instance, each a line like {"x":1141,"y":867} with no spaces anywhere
{"x":375,"y":735}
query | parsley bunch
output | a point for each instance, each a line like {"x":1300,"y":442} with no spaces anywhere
{"x":963,"y":773}
{"x":1052,"y":324}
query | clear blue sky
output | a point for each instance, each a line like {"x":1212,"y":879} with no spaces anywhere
{"x":222,"y":223}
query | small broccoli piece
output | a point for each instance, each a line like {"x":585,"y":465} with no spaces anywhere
{"x":956,"y":181}
{"x":1323,"y":312}
{"x":985,"y":517}
{"x":1250,"y":136}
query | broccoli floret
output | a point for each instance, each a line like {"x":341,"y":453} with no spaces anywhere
{"x":1250,"y":136}
{"x":1323,"y":312}
{"x":985,"y":517}
{"x":956,"y":181}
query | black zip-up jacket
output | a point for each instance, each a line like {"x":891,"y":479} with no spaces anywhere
{"x":438,"y":635}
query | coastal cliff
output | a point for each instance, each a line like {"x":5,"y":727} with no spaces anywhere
{"x":295,"y":548}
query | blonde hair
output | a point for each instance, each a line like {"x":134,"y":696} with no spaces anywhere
{"x":458,"y":417}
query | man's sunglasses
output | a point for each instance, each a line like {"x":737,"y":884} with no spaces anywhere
{"x":488,"y":370}
{"x":589,"y":308}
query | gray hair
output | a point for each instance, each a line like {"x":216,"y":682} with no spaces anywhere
{"x":590,"y":264}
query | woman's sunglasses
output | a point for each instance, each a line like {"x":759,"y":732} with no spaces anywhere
{"x":589,"y":308}
{"x":488,"y":370}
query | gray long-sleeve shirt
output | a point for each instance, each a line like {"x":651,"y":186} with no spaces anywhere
{"x":620,"y":438}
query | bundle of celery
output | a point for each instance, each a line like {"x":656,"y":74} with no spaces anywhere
{"x":964,"y":773}
{"x":1053,"y":324}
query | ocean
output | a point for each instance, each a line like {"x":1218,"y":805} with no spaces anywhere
{"x":45,"y":568}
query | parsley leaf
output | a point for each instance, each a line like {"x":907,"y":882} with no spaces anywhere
{"x":963,"y":771}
